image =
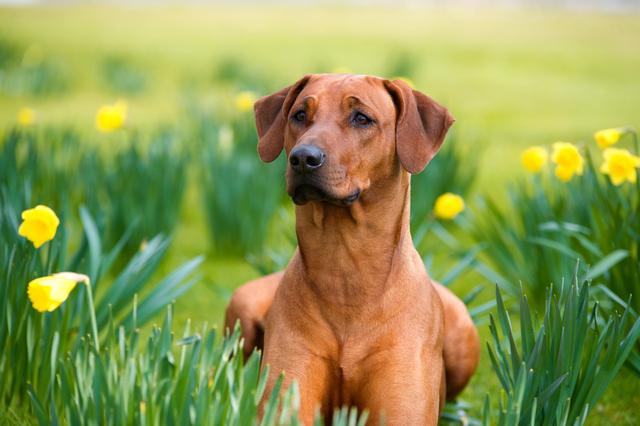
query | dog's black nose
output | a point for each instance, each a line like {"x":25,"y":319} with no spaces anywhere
{"x":306,"y":158}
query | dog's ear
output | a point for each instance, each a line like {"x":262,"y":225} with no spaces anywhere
{"x":421,"y":125}
{"x":271,"y":118}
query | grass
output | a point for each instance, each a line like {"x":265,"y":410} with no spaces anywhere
{"x":511,"y":78}
{"x":565,"y":363}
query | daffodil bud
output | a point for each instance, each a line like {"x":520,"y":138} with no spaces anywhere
{"x":448,"y":206}
{"x":111,"y":117}
{"x":39,"y":225}
{"x":608,"y":137}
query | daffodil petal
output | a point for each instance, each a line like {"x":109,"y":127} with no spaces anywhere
{"x":48,"y":293}
{"x":39,"y":225}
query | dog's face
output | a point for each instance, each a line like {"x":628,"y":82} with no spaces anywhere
{"x":341,"y":133}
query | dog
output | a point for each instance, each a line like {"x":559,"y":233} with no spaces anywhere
{"x":354,"y":318}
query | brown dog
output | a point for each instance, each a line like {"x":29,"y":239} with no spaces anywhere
{"x":354,"y":318}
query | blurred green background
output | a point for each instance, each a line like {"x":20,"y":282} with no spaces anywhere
{"x":512,"y":78}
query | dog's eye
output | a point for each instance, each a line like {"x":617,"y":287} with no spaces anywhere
{"x":361,"y":120}
{"x":299,"y":117}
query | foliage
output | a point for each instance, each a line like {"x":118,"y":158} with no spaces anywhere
{"x":121,"y":76}
{"x":241,"y":194}
{"x":30,"y":342}
{"x":231,"y":70}
{"x":34,"y":165}
{"x":276,"y":255}
{"x":138,"y":185}
{"x":198,"y":379}
{"x":9,"y":53}
{"x":457,"y":413}
{"x":29,"y":71}
{"x":463,"y":261}
{"x":561,"y":366}
{"x":143,"y":182}
{"x":547,"y":223}
{"x":401,"y":64}
{"x":451,"y":170}
{"x":205,"y":382}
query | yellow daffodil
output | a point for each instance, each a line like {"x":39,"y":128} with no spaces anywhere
{"x":48,"y":293}
{"x":26,"y":117}
{"x":534,"y":158}
{"x":608,"y":137}
{"x":620,"y":165}
{"x":244,"y":101}
{"x":111,"y":117}
{"x":568,"y":160}
{"x":406,"y":80}
{"x":39,"y":225}
{"x":448,"y":206}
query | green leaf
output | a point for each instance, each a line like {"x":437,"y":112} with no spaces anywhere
{"x":93,"y":237}
{"x":606,"y":263}
{"x":37,"y":407}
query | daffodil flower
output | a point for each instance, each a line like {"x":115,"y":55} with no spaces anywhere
{"x":39,"y":225}
{"x":608,"y":137}
{"x":111,"y":117}
{"x":568,"y":160}
{"x":448,"y":206}
{"x":620,"y":165}
{"x":48,"y":293}
{"x":26,"y":117}
{"x":244,"y":101}
{"x":534,"y":158}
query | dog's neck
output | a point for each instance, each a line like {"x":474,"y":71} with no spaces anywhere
{"x":342,"y":248}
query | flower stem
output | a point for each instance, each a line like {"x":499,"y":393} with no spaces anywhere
{"x":94,"y":325}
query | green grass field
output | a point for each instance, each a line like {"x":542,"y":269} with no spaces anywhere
{"x":511,"y":78}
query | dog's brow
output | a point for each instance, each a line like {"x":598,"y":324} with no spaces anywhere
{"x":353,"y":99}
{"x":309,"y":101}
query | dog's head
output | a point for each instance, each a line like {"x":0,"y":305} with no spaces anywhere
{"x":341,"y":133}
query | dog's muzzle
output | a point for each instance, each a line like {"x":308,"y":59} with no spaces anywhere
{"x":305,"y":190}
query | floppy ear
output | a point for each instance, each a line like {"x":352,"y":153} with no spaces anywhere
{"x":421,"y":125}
{"x":271,"y":118}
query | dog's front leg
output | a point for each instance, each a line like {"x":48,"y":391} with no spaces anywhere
{"x":249,"y":305}
{"x":399,"y":395}
{"x":285,"y":353}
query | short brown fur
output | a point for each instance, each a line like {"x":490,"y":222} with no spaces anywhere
{"x":354,"y":318}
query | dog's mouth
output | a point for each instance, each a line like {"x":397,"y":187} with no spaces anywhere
{"x":305,"y":192}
